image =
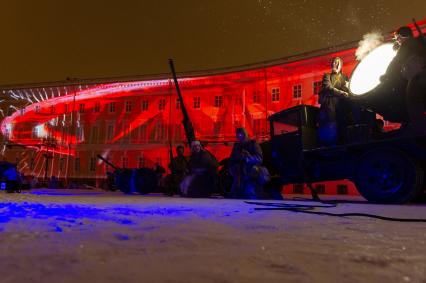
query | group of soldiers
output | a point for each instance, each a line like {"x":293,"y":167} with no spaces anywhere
{"x":197,"y":176}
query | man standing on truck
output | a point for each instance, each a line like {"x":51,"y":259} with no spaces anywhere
{"x":336,"y":110}
{"x":245,"y":166}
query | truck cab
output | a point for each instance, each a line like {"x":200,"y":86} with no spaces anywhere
{"x":386,"y":168}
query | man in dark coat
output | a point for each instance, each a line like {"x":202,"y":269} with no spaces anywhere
{"x":201,"y":182}
{"x":336,"y":110}
{"x":245,"y":158}
{"x":179,"y":167}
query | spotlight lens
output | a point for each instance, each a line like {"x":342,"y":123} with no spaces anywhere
{"x":367,"y":73}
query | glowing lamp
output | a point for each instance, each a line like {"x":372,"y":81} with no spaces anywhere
{"x":367,"y":73}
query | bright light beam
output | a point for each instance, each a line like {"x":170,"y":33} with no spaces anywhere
{"x":367,"y":73}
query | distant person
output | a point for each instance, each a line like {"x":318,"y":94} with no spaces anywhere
{"x":179,"y":167}
{"x":245,"y":167}
{"x":202,"y":178}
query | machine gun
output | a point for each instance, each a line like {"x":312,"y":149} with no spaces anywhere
{"x":142,"y":180}
{"x":186,"y":122}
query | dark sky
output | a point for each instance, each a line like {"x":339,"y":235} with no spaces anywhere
{"x":47,"y":40}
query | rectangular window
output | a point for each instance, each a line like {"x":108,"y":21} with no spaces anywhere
{"x":97,"y":107}
{"x":256,"y":96}
{"x":92,"y":166}
{"x":162,"y":104}
{"x":110,"y":132}
{"x":128,"y":106}
{"x":145,"y":105}
{"x":178,"y":103}
{"x":77,"y":164}
{"x":143,"y":132}
{"x":317,"y":87}
{"x":37,"y":109}
{"x":112,"y":107}
{"x":81,"y":109}
{"x":218,"y":101}
{"x":94,"y":135}
{"x":297,"y":91}
{"x":275,"y":94}
{"x":197,"y":102}
{"x":342,"y":189}
{"x":125,"y":162}
{"x":80,"y":133}
{"x":177,"y":132}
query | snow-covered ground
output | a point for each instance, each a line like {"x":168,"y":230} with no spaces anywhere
{"x":94,"y":236}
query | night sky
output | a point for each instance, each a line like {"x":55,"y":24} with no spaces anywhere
{"x":49,"y":40}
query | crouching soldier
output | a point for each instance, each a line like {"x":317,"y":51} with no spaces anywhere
{"x":179,"y":169}
{"x":245,"y":165}
{"x":202,"y":178}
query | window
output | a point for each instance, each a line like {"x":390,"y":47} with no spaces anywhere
{"x":128,"y":106}
{"x":342,"y":189}
{"x":125,"y":162}
{"x":177,"y":132}
{"x":218,"y":101}
{"x":92,"y":166}
{"x":161,"y":131}
{"x":178,"y":103}
{"x":297,"y":92}
{"x":110,"y":132}
{"x":77,"y":164}
{"x":80,"y":133}
{"x":197,"y":101}
{"x":144,"y":105}
{"x":37,"y":109}
{"x":317,"y":87}
{"x":275,"y":94}
{"x":97,"y":107}
{"x":256,"y":96}
{"x":94,"y":135}
{"x":81,"y":109}
{"x":112,"y":107}
{"x":162,"y":104}
{"x":143,"y":133}
{"x":141,"y":162}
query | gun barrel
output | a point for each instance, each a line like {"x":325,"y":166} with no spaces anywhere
{"x":107,"y":162}
{"x":187,"y":125}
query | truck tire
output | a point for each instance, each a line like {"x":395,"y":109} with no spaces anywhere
{"x":388,"y":175}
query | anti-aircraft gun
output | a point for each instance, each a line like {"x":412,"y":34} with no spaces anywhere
{"x":141,"y":180}
{"x":386,"y":167}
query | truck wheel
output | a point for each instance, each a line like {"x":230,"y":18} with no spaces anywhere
{"x":388,"y":175}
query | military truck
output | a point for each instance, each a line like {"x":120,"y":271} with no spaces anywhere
{"x":385,"y":166}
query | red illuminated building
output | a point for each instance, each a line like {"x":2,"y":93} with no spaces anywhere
{"x":131,"y":121}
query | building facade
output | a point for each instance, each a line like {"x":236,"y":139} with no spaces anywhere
{"x":59,"y":129}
